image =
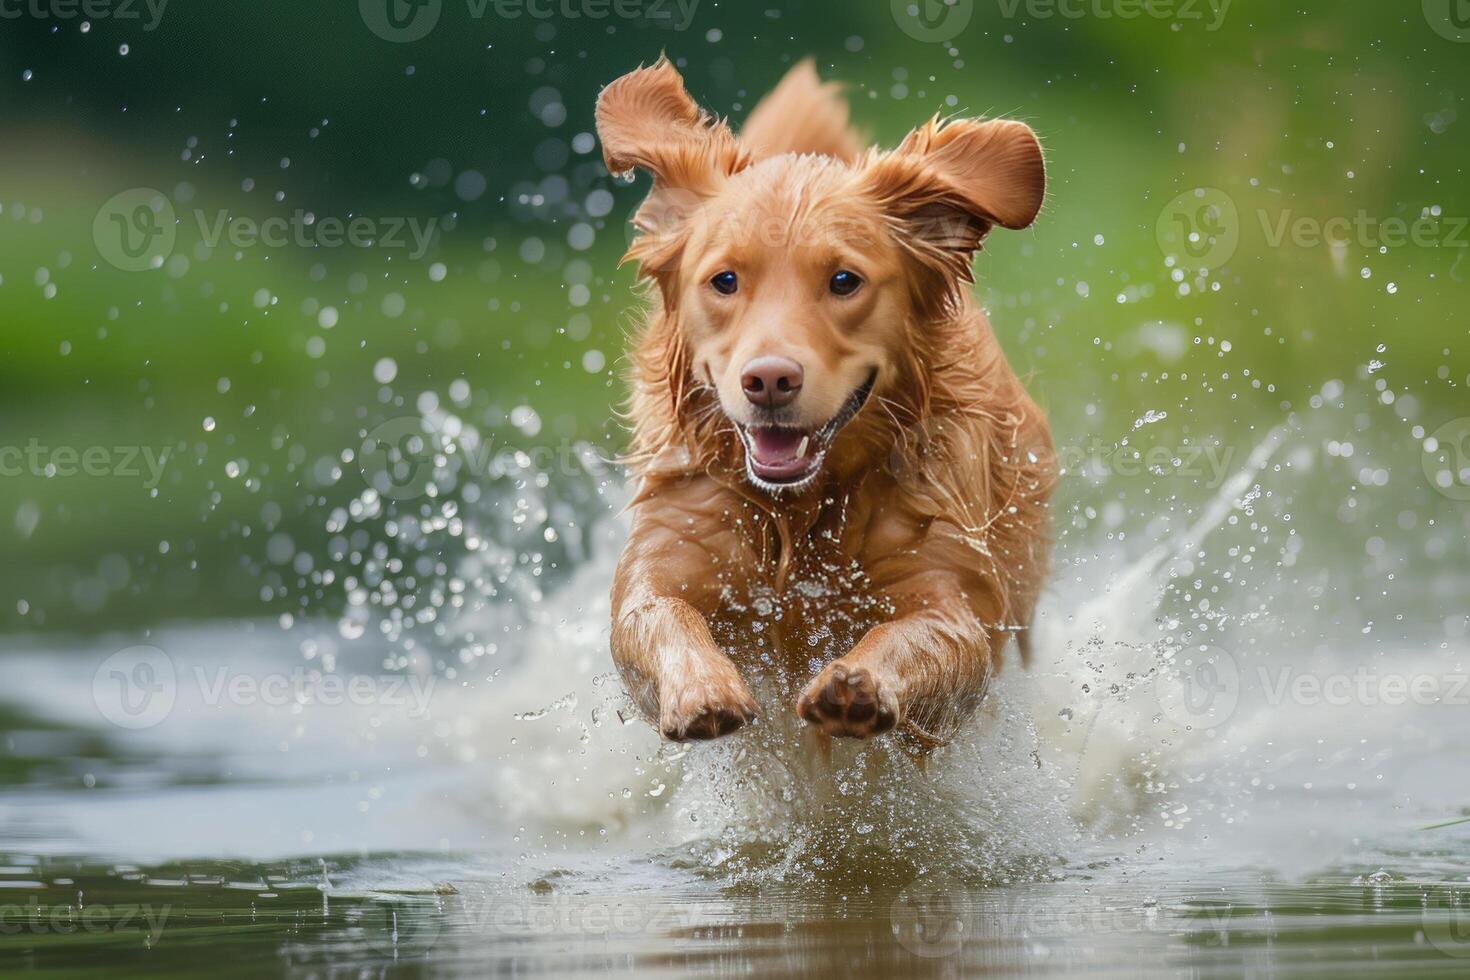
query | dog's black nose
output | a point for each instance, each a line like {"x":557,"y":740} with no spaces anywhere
{"x":771,"y":381}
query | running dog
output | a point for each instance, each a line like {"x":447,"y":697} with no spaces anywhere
{"x":842,"y":485}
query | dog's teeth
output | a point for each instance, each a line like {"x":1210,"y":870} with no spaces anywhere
{"x":801,"y":449}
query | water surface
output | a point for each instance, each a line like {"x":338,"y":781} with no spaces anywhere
{"x":1157,"y":794}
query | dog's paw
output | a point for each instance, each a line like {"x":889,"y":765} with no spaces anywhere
{"x":706,"y":707}
{"x":849,"y":702}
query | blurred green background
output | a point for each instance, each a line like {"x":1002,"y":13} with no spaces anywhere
{"x":257,"y":368}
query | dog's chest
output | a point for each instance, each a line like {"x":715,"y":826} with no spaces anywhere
{"x":824,"y":606}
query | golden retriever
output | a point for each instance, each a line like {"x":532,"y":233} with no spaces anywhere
{"x":842,"y":484}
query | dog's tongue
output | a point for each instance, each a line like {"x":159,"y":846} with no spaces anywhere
{"x":776,"y":447}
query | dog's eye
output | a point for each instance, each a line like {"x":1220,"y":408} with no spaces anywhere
{"x":724,"y":282}
{"x":845,"y":283}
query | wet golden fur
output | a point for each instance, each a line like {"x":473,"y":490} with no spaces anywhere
{"x":879,"y":595}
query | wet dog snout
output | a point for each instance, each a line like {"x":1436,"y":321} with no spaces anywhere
{"x":771,"y":382}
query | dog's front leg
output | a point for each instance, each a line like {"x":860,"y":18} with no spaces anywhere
{"x":925,"y":669}
{"x":661,"y":642}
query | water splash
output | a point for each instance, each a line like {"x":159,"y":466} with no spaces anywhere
{"x":1076,"y":752}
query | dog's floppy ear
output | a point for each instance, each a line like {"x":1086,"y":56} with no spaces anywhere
{"x":647,"y":120}
{"x":948,"y":184}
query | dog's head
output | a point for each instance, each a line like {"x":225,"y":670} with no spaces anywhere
{"x":794,"y":285}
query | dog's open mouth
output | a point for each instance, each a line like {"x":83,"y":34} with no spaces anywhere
{"x":784,"y":457}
